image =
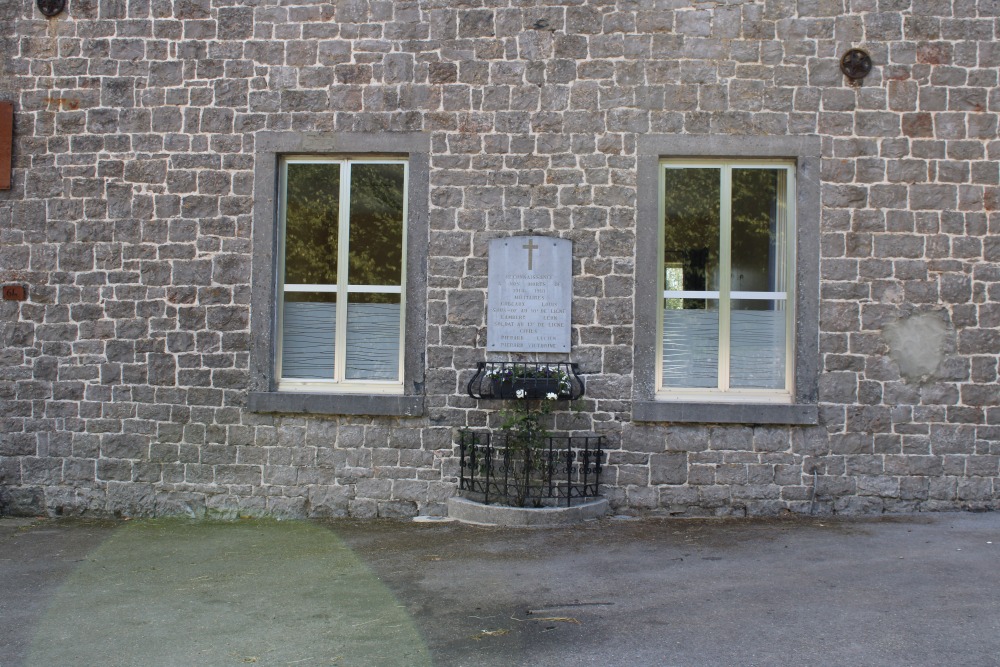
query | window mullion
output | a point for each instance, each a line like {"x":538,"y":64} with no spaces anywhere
{"x":343,"y":259}
{"x":725,"y":272}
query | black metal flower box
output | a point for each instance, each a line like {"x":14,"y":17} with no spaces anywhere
{"x":514,"y":380}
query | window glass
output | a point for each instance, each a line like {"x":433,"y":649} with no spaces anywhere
{"x":376,"y":262}
{"x":726,"y":296}
{"x":376,"y":224}
{"x":312,"y":224}
{"x":344,"y":224}
{"x":373,"y":337}
{"x":691,"y":259}
{"x":308,"y":334}
{"x":757,"y":333}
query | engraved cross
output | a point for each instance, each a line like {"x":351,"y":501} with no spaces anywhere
{"x":530,"y":247}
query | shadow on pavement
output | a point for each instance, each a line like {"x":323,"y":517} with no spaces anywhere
{"x":173,"y":592}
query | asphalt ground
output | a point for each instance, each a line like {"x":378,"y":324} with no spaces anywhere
{"x":904,"y":590}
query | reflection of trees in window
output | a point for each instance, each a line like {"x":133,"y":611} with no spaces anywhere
{"x":755,"y":198}
{"x":311,"y":224}
{"x":726,"y":313}
{"x":691,"y":229}
{"x":350,"y":325}
{"x":376,"y":227}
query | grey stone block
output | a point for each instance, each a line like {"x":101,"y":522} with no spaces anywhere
{"x":22,"y":501}
{"x":671,"y":468}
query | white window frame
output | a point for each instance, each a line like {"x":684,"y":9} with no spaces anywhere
{"x":723,"y":393}
{"x":339,"y":383}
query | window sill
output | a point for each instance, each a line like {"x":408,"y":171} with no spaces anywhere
{"x":335,"y":404}
{"x":725,"y":413}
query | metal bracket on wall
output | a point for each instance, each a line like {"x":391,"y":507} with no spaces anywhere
{"x":51,"y":8}
{"x":856,"y":64}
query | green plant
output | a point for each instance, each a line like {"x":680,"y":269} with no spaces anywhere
{"x":526,"y":440}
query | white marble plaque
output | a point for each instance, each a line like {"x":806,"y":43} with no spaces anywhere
{"x":530,"y":294}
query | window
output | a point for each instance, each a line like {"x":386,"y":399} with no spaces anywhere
{"x":727,"y":307}
{"x":339,"y":286}
{"x":726,"y":315}
{"x":342,"y":234}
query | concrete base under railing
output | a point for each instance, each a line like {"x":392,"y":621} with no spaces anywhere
{"x":468,"y":511}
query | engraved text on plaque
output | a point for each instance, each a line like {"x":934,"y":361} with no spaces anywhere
{"x":530,"y":294}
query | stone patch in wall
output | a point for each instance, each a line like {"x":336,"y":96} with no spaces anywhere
{"x":918,"y":344}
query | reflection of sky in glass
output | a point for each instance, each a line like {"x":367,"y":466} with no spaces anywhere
{"x":673,"y":281}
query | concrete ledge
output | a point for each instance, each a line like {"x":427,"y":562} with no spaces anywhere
{"x":335,"y":404}
{"x":724,"y":413}
{"x":468,"y":511}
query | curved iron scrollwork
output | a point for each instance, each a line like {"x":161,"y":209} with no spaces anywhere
{"x":517,"y":380}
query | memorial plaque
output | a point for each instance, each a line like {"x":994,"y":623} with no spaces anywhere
{"x":530,"y":294}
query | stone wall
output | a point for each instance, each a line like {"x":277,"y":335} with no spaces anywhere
{"x":124,"y":376}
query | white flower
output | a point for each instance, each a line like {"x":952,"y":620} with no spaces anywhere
{"x":521,"y":393}
{"x":551,"y":396}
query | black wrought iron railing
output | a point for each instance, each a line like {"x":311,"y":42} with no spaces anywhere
{"x":497,"y":469}
{"x":512,"y":380}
